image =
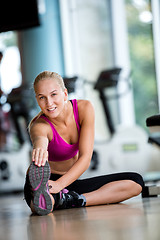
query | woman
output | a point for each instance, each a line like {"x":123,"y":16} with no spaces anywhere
{"x":63,"y":136}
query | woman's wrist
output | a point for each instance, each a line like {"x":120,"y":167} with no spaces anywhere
{"x":54,"y":186}
{"x":60,"y":184}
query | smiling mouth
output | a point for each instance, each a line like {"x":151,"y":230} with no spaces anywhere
{"x":51,"y":109}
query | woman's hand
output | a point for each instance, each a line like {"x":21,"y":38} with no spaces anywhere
{"x":54,"y":187}
{"x":39,"y":156}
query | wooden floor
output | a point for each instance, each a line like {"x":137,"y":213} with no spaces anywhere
{"x":133,"y":219}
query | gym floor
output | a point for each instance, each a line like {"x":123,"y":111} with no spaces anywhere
{"x":136,"y":218}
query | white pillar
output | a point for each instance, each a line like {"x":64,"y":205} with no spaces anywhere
{"x":122,"y":60}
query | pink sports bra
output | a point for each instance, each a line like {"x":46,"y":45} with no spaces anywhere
{"x":58,"y":149}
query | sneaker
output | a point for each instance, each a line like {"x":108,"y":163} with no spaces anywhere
{"x":38,"y":177}
{"x":68,"y":199}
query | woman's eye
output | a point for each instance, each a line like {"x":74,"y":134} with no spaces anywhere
{"x":41,"y":98}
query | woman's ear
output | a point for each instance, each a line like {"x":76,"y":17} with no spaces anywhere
{"x":65,"y":94}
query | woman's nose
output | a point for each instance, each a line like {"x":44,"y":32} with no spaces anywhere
{"x":49,"y":102}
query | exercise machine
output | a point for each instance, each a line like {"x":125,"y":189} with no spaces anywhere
{"x":127,"y":148}
{"x":15,"y":151}
{"x":153,"y":123}
{"x":129,"y":145}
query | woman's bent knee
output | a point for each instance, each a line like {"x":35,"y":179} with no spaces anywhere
{"x":137,"y":178}
{"x":135,"y":188}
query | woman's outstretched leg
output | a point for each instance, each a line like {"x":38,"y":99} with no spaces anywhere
{"x":105,"y":189}
{"x":113,"y":192}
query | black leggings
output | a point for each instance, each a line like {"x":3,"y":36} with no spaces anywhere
{"x":89,"y":184}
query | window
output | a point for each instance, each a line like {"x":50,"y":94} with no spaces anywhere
{"x":10,"y":66}
{"x":89,"y":28}
{"x":142,"y":59}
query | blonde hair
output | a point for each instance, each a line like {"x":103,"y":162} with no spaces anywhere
{"x":43,"y":76}
{"x":52,"y":75}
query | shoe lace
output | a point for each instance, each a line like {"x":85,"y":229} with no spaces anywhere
{"x":65,"y":190}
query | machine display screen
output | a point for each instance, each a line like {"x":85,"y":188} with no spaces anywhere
{"x":130,"y":147}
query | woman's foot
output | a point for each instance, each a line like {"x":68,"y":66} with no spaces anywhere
{"x":68,"y":199}
{"x":38,"y":177}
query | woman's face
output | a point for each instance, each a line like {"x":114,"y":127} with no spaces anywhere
{"x":50,"y":97}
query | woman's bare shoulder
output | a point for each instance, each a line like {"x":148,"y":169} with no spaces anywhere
{"x":39,"y":125}
{"x":85,"y":109}
{"x":84,"y":104}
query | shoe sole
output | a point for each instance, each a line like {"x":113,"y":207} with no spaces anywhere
{"x":39,"y":177}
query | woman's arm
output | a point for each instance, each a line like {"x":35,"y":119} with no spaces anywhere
{"x":39,"y":138}
{"x":86,"y":142}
